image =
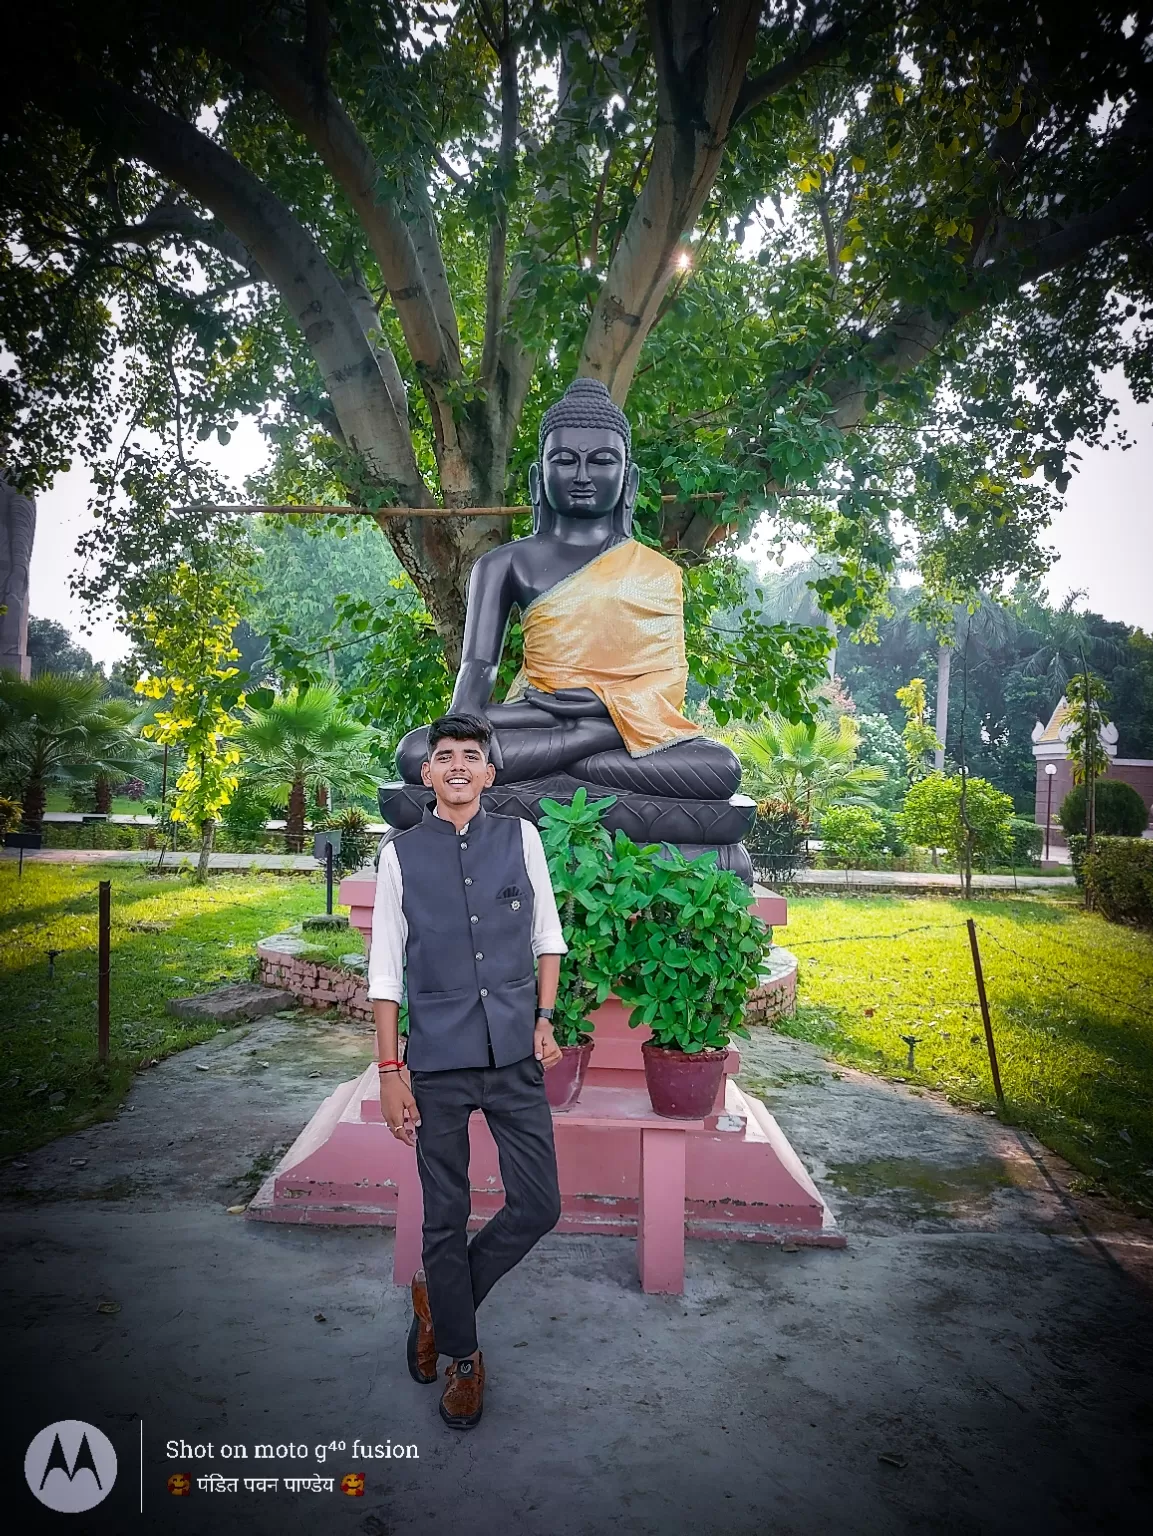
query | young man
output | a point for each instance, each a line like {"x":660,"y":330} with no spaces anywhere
{"x":464,"y":906}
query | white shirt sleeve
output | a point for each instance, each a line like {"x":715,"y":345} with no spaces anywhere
{"x":389,"y":931}
{"x":547,"y":938}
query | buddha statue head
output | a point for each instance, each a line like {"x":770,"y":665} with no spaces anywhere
{"x":585,"y":469}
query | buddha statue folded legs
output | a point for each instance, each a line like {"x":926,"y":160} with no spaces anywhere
{"x":599,"y":699}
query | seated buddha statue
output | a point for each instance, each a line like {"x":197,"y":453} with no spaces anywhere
{"x":599,"y":698}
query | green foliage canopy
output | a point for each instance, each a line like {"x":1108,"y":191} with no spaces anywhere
{"x":844,"y":261}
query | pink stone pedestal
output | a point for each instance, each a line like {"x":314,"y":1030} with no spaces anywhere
{"x":624,"y":1170}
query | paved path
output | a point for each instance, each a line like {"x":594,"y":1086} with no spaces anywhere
{"x":976,"y":1362}
{"x":852,"y":879}
{"x":221,"y":862}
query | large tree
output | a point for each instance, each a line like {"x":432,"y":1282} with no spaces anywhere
{"x":393,"y":230}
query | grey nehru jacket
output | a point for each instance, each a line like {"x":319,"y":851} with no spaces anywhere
{"x":465,"y":913}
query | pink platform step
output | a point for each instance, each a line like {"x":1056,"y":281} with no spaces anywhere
{"x":624,"y":1171}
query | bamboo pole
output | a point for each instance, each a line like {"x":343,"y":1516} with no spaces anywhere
{"x":225,"y":509}
{"x":992,"y":1049}
{"x":103,"y":974}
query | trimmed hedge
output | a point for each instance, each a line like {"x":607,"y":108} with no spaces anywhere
{"x":1119,"y":879}
{"x":1028,"y":840}
{"x":1121,"y":811}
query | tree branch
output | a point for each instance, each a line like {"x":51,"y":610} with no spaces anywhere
{"x":818,"y":51}
{"x":494,"y":305}
{"x":409,"y":257}
{"x":172,"y":220}
{"x":701,"y":54}
{"x":1077,"y":238}
{"x":284,"y":249}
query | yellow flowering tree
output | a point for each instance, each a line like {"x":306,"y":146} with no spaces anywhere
{"x":185,"y":641}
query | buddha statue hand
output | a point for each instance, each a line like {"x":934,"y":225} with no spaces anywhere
{"x":568,"y":703}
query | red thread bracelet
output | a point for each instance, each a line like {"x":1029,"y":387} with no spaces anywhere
{"x":382,"y":1064}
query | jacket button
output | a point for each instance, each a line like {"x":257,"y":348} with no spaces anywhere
{"x":479,"y":956}
{"x":468,"y":879}
{"x":464,"y":845}
{"x":474,"y":918}
{"x":484,"y":991}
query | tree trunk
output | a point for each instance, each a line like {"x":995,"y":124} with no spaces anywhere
{"x":831,"y":626}
{"x":35,"y":798}
{"x":207,"y":838}
{"x":297,"y":811}
{"x":102,"y":784}
{"x":944,"y":666}
{"x":322,"y":797}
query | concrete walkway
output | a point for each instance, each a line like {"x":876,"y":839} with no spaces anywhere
{"x":977,"y":1361}
{"x":852,"y":879}
{"x":223,"y":863}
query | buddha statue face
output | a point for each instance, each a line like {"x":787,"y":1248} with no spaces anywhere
{"x":583,"y":470}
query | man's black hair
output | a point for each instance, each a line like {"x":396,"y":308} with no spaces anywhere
{"x":459,"y":728}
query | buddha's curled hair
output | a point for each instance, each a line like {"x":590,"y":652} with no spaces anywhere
{"x":586,"y":403}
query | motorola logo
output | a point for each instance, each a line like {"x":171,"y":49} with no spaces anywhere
{"x":70,"y":1466}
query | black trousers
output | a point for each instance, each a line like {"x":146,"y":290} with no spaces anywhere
{"x":460,"y":1273}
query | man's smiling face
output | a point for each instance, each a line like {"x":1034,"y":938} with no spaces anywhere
{"x":457,"y":771}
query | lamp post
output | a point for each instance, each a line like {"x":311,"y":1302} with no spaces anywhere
{"x":1050,"y":774}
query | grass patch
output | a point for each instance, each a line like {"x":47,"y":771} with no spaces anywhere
{"x":170,"y":938}
{"x":1071,"y":999}
{"x":57,"y":800}
{"x":329,"y":946}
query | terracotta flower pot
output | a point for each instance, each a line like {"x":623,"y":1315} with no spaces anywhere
{"x":563,"y":1083}
{"x":682,"y":1085}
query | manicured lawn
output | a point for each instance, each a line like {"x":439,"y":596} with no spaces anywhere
{"x":170,"y":938}
{"x":1071,"y":998}
{"x":57,"y":800}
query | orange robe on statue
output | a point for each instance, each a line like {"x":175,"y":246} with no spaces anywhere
{"x":616,"y":626}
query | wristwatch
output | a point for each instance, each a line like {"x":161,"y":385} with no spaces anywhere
{"x":545,"y":1013}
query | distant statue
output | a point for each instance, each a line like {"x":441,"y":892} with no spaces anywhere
{"x":599,"y":699}
{"x":17,"y":532}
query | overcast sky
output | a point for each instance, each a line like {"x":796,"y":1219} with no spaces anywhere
{"x":1103,"y":536}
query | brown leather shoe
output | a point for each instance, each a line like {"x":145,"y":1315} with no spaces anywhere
{"x":462,"y":1401}
{"x":422,"y":1352}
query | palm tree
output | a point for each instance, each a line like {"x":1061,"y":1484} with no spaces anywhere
{"x":808,"y":767}
{"x":57,"y":728}
{"x":306,"y":741}
{"x":790,"y":599}
{"x":1060,"y":641}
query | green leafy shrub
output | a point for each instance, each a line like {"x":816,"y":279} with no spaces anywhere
{"x":1119,"y":879}
{"x":242,"y":820}
{"x":1120,"y":810}
{"x":580,"y":853}
{"x":777,"y":841}
{"x":852,"y":836}
{"x":1078,"y":847}
{"x":694,"y":950}
{"x":931,"y":817}
{"x":10,"y":814}
{"x":674,"y":938}
{"x":1027,"y":840}
{"x":894,"y":843}
{"x":94,"y":834}
{"x":356,"y":841}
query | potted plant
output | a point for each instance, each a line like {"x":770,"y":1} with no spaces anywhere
{"x":693,"y":952}
{"x":579,"y":852}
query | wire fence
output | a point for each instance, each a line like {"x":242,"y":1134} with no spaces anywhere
{"x":1127,"y":997}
